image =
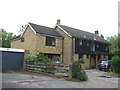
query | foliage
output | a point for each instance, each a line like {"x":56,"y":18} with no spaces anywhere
{"x":22,"y":29}
{"x":81,"y":61}
{"x":32,"y":57}
{"x":82,"y":76}
{"x":5,"y":38}
{"x":116,"y":52}
{"x":113,"y":74}
{"x":114,"y":41}
{"x":56,"y":58}
{"x":77,"y":72}
{"x":75,"y":69}
{"x":46,"y":59}
{"x":40,"y":56}
{"x":115,"y":63}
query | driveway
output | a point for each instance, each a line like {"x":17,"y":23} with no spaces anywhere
{"x":23,"y":79}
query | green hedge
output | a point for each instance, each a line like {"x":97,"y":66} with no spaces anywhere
{"x":115,"y":63}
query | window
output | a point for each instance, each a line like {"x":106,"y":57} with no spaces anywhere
{"x":80,"y":42}
{"x":88,"y":43}
{"x":50,"y":41}
{"x":92,"y":46}
{"x":87,"y":56}
{"x":94,"y":38}
{"x":106,"y":48}
{"x":22,"y":39}
{"x":80,"y":56}
{"x":97,"y":46}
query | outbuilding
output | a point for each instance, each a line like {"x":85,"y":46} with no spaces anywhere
{"x":11,"y":58}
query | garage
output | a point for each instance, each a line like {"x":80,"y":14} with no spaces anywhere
{"x":12,"y":58}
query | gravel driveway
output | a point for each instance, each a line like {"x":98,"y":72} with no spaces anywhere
{"x":22,"y":79}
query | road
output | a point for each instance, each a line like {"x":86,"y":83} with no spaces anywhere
{"x":23,"y":79}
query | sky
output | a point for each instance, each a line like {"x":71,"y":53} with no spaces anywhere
{"x":87,"y":15}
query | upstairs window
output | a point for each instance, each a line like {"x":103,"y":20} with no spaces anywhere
{"x":92,"y":46}
{"x":50,"y":41}
{"x":106,"y":48}
{"x":88,"y":43}
{"x":80,"y":42}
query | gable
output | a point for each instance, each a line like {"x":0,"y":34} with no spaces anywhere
{"x":43,"y":30}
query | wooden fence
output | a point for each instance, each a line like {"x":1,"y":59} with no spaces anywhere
{"x":54,"y":68}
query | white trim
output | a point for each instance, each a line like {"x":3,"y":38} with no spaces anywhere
{"x":12,"y":50}
{"x":32,"y":28}
{"x":63,"y":30}
{"x":26,"y":28}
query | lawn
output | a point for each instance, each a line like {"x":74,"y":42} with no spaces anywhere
{"x":113,"y":74}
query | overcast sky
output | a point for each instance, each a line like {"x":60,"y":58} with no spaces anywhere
{"x":87,"y":15}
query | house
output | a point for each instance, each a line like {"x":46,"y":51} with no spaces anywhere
{"x":68,"y":43}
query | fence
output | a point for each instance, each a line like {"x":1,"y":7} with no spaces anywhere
{"x":54,"y":68}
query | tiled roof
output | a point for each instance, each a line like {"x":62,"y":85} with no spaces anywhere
{"x":45,"y":30}
{"x":82,"y":34}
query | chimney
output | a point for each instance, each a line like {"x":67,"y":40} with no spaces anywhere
{"x":58,"y":21}
{"x":102,"y":36}
{"x":97,"y":32}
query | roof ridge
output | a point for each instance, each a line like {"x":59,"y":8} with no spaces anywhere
{"x":78,"y":29}
{"x":82,"y":34}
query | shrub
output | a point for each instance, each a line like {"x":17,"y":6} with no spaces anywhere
{"x":40,"y":56}
{"x":77,"y":72}
{"x":32,"y":57}
{"x":82,"y":76}
{"x":115,"y":63}
{"x":75,"y":69}
{"x":56,"y":58}
{"x":116,"y":52}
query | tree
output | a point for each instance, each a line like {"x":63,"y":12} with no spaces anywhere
{"x":22,"y":29}
{"x":114,"y":41}
{"x":5,"y":38}
{"x":115,"y":62}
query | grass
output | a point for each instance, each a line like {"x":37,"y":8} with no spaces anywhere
{"x":113,"y":74}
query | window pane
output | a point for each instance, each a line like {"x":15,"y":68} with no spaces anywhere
{"x":50,"y":41}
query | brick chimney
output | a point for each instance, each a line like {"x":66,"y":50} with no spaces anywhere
{"x":58,"y":21}
{"x":102,"y":36}
{"x":97,"y":32}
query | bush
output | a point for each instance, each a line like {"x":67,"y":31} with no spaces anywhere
{"x":56,"y":58}
{"x":115,"y":63}
{"x":77,"y":72}
{"x":82,"y":76}
{"x":32,"y":57}
{"x":40,"y":56}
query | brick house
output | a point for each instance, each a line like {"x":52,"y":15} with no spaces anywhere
{"x":68,"y":43}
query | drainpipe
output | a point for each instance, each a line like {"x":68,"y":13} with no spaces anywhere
{"x":73,"y":43}
{"x":96,"y":61}
{"x":62,"y":48}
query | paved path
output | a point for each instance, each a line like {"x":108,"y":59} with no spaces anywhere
{"x":13,"y":79}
